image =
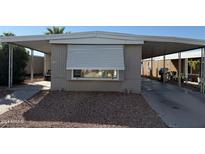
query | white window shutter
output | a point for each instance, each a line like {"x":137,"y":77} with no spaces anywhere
{"x":96,"y":57}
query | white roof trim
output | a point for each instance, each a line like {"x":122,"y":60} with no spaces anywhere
{"x":95,"y":41}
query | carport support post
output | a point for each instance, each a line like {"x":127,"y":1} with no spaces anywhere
{"x":186,"y":69}
{"x":45,"y":61}
{"x":31,"y":65}
{"x":12,"y":52}
{"x":202,"y":71}
{"x":151,"y":67}
{"x":10,"y":76}
{"x":179,"y":69}
{"x":143,"y":67}
{"x":164,"y":75}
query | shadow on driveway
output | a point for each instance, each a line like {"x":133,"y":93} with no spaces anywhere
{"x":178,"y":107}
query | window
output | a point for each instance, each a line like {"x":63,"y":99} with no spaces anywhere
{"x":95,"y":74}
{"x":95,"y":62}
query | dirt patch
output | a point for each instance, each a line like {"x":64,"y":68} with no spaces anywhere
{"x":82,"y":109}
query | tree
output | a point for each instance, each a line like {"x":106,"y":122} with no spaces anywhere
{"x":8,"y":34}
{"x":20,"y":59}
{"x":193,"y":64}
{"x":55,"y":30}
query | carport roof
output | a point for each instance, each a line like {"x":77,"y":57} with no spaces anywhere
{"x":152,"y":46}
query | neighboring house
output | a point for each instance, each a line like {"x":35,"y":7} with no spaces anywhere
{"x":38,"y":65}
{"x":148,"y":70}
{"x":100,"y":61}
{"x":172,"y":64}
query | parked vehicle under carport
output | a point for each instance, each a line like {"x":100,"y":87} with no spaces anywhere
{"x":47,"y":76}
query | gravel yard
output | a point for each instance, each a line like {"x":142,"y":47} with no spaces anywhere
{"x":82,"y":109}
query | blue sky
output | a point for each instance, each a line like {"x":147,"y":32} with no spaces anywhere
{"x":197,"y":32}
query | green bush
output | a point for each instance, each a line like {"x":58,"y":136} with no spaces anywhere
{"x":20,"y":59}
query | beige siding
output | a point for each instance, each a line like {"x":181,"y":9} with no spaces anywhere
{"x":129,"y":79}
{"x":132,"y":80}
{"x":58,"y":67}
{"x":38,"y":63}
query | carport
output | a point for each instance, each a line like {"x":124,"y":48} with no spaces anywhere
{"x":152,"y":46}
{"x":32,"y":44}
{"x":162,"y":46}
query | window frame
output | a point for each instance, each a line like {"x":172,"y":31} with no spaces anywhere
{"x":102,"y":79}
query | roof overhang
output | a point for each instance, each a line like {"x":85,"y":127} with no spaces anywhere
{"x":154,"y":49}
{"x":152,"y":46}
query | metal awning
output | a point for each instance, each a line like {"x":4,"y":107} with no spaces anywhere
{"x":152,"y":46}
{"x":95,"y":57}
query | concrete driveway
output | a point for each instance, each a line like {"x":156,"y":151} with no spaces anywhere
{"x":178,"y":107}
